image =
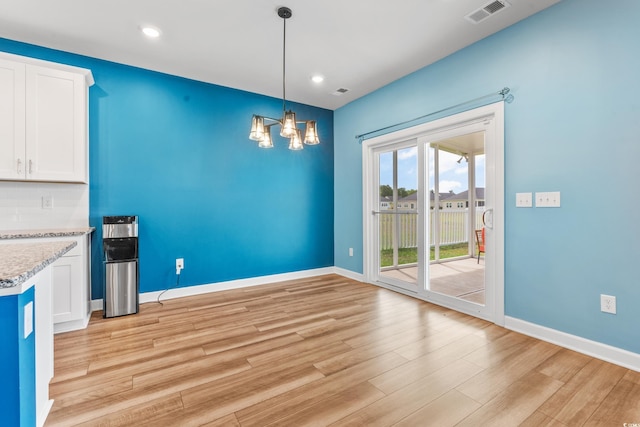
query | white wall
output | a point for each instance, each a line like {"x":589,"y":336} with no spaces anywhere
{"x":21,"y":205}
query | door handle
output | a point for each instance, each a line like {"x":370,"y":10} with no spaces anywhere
{"x":30,"y":167}
{"x":19,"y":168}
{"x":487,"y":220}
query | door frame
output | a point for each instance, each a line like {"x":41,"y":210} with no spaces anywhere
{"x":491,"y":119}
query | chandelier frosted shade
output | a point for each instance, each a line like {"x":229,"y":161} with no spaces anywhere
{"x":296,"y":141}
{"x":257,"y":128}
{"x":288,"y":129}
{"x":311,"y":134}
{"x":266,"y":141}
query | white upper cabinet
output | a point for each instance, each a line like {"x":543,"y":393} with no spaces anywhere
{"x":43,"y":120}
{"x":12,"y":120}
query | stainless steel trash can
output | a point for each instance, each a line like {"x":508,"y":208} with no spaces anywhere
{"x":120,"y":245}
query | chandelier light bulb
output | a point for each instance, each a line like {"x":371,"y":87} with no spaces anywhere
{"x":288,"y":125}
{"x":257,"y":128}
{"x":266,"y":140}
{"x":311,"y":134}
{"x":296,"y":141}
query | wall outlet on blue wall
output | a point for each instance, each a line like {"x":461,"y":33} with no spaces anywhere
{"x":608,"y":304}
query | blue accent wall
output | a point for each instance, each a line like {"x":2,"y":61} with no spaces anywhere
{"x":176,"y":153}
{"x":17,"y":358}
{"x":574,"y":127}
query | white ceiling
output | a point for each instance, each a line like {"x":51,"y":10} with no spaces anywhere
{"x":360,"y":45}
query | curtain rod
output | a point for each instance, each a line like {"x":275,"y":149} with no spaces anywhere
{"x":505,"y":97}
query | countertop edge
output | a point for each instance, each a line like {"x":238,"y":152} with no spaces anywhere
{"x":13,"y":286}
{"x":34,"y":234}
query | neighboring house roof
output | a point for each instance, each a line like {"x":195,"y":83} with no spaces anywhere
{"x":464,"y":195}
{"x":443,"y":196}
{"x":410,"y":198}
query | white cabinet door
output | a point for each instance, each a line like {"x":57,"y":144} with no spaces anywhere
{"x":12,"y":120}
{"x":66,"y":275}
{"x":55,"y":125}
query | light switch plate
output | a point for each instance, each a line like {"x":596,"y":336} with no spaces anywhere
{"x":524,"y":200}
{"x":549,"y":199}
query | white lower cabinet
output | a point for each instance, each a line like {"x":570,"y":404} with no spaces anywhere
{"x":66,"y":272}
{"x":70,"y":283}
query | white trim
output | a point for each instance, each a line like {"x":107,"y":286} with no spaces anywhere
{"x":96,"y":305}
{"x":88,"y":76}
{"x":348,"y":274}
{"x":41,"y":417}
{"x":74,"y":325}
{"x":595,"y":349}
{"x":172,"y":293}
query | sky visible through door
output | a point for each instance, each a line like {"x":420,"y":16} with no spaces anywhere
{"x":453,"y":175}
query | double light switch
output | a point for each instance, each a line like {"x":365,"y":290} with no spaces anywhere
{"x":543,"y":200}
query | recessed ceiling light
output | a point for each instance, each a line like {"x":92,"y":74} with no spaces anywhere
{"x":317,"y":78}
{"x":151,"y":32}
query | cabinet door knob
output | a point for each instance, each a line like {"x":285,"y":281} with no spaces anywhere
{"x":19,"y":168}
{"x":30,"y":167}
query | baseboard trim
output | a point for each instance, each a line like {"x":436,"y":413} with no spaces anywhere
{"x":223,"y":286}
{"x":595,"y":349}
{"x":73,"y":325}
{"x":349,"y":274}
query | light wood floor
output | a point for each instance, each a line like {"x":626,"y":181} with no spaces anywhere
{"x":325,"y":351}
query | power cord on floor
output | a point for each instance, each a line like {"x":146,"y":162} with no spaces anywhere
{"x":161,"y":293}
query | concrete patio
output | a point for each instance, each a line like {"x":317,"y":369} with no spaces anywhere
{"x":463,"y":278}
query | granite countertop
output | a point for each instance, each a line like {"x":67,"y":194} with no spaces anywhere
{"x":21,"y":261}
{"x":45,"y":232}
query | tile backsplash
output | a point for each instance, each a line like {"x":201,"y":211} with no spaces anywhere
{"x":22,"y":205}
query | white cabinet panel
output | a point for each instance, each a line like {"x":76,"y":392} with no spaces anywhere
{"x":12,"y":120}
{"x":55,"y":125}
{"x":66,"y":273}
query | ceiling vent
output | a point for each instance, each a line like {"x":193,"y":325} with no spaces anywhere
{"x":340,"y":91}
{"x":486,"y":11}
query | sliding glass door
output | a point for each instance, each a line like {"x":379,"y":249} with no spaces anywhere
{"x":433,"y":212}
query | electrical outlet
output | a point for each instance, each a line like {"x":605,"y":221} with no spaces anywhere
{"x":179,"y":265}
{"x":47,"y":202}
{"x":350,"y":251}
{"x":608,"y":304}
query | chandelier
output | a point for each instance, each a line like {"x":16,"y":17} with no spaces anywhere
{"x":261,"y":125}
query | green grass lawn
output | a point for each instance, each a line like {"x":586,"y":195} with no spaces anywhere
{"x":410,"y":255}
